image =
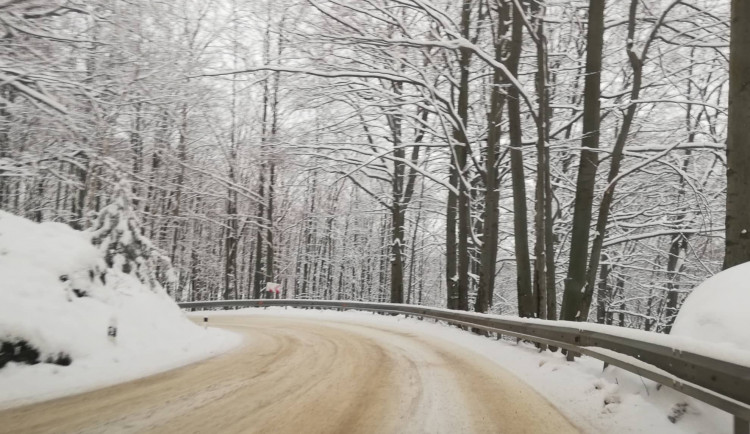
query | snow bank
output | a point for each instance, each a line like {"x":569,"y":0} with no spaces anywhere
{"x":58,"y":298}
{"x":716,"y":311}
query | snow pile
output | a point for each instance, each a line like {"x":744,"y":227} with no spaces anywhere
{"x":716,"y":311}
{"x":59,"y":300}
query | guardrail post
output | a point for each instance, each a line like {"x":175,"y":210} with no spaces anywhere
{"x":741,"y":426}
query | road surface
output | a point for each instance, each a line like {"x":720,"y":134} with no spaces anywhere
{"x":303,"y":376}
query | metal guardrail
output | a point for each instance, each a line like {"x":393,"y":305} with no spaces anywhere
{"x":722,"y":384}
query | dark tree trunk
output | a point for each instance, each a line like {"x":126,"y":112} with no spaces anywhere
{"x":136,"y":145}
{"x":737,"y":250}
{"x":231,"y":241}
{"x":451,"y":269}
{"x":589,"y":162}
{"x":398,"y":209}
{"x":258,"y":271}
{"x":520,"y":211}
{"x":78,"y":203}
{"x":398,"y":220}
{"x":636,"y":63}
{"x":544,"y":285}
{"x":413,"y":250}
{"x":274,"y":106}
{"x":488,"y":254}
{"x":604,"y":294}
{"x":176,"y":205}
{"x":460,"y":157}
{"x":270,"y":275}
{"x":6,"y":97}
{"x":676,"y":247}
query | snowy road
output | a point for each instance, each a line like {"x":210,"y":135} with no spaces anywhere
{"x":304,"y":376}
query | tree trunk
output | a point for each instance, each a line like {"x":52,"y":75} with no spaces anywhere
{"x":413,"y":250}
{"x":451,"y":270}
{"x":6,"y":98}
{"x":488,"y":254}
{"x":520,"y":212}
{"x":258,"y":271}
{"x":614,"y":168}
{"x":674,"y":264}
{"x":589,"y":162}
{"x":544,"y":268}
{"x":398,"y":220}
{"x":270,"y":275}
{"x":604,"y":294}
{"x":231,"y":241}
{"x":737,"y":249}
{"x":398,"y":208}
{"x":461,"y":152}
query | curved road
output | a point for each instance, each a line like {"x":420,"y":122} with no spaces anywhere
{"x":304,"y":376}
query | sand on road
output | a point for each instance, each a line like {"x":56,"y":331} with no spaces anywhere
{"x":297,"y":375}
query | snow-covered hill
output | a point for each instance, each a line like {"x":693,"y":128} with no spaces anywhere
{"x":59,"y":303}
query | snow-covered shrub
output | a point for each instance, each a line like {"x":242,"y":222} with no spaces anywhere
{"x":117,"y":233}
{"x":58,"y":297}
{"x":43,"y":267}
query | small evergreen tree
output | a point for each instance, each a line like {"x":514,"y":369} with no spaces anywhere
{"x":116,"y":231}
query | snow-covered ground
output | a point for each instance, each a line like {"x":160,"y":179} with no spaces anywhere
{"x":58,"y":297}
{"x":612,"y":400}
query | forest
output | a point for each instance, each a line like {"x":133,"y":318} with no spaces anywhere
{"x":542,"y":158}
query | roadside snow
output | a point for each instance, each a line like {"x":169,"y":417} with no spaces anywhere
{"x":596,"y":401}
{"x":716,"y":311}
{"x":56,"y":297}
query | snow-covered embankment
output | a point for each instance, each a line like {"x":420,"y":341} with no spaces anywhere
{"x":59,"y":300}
